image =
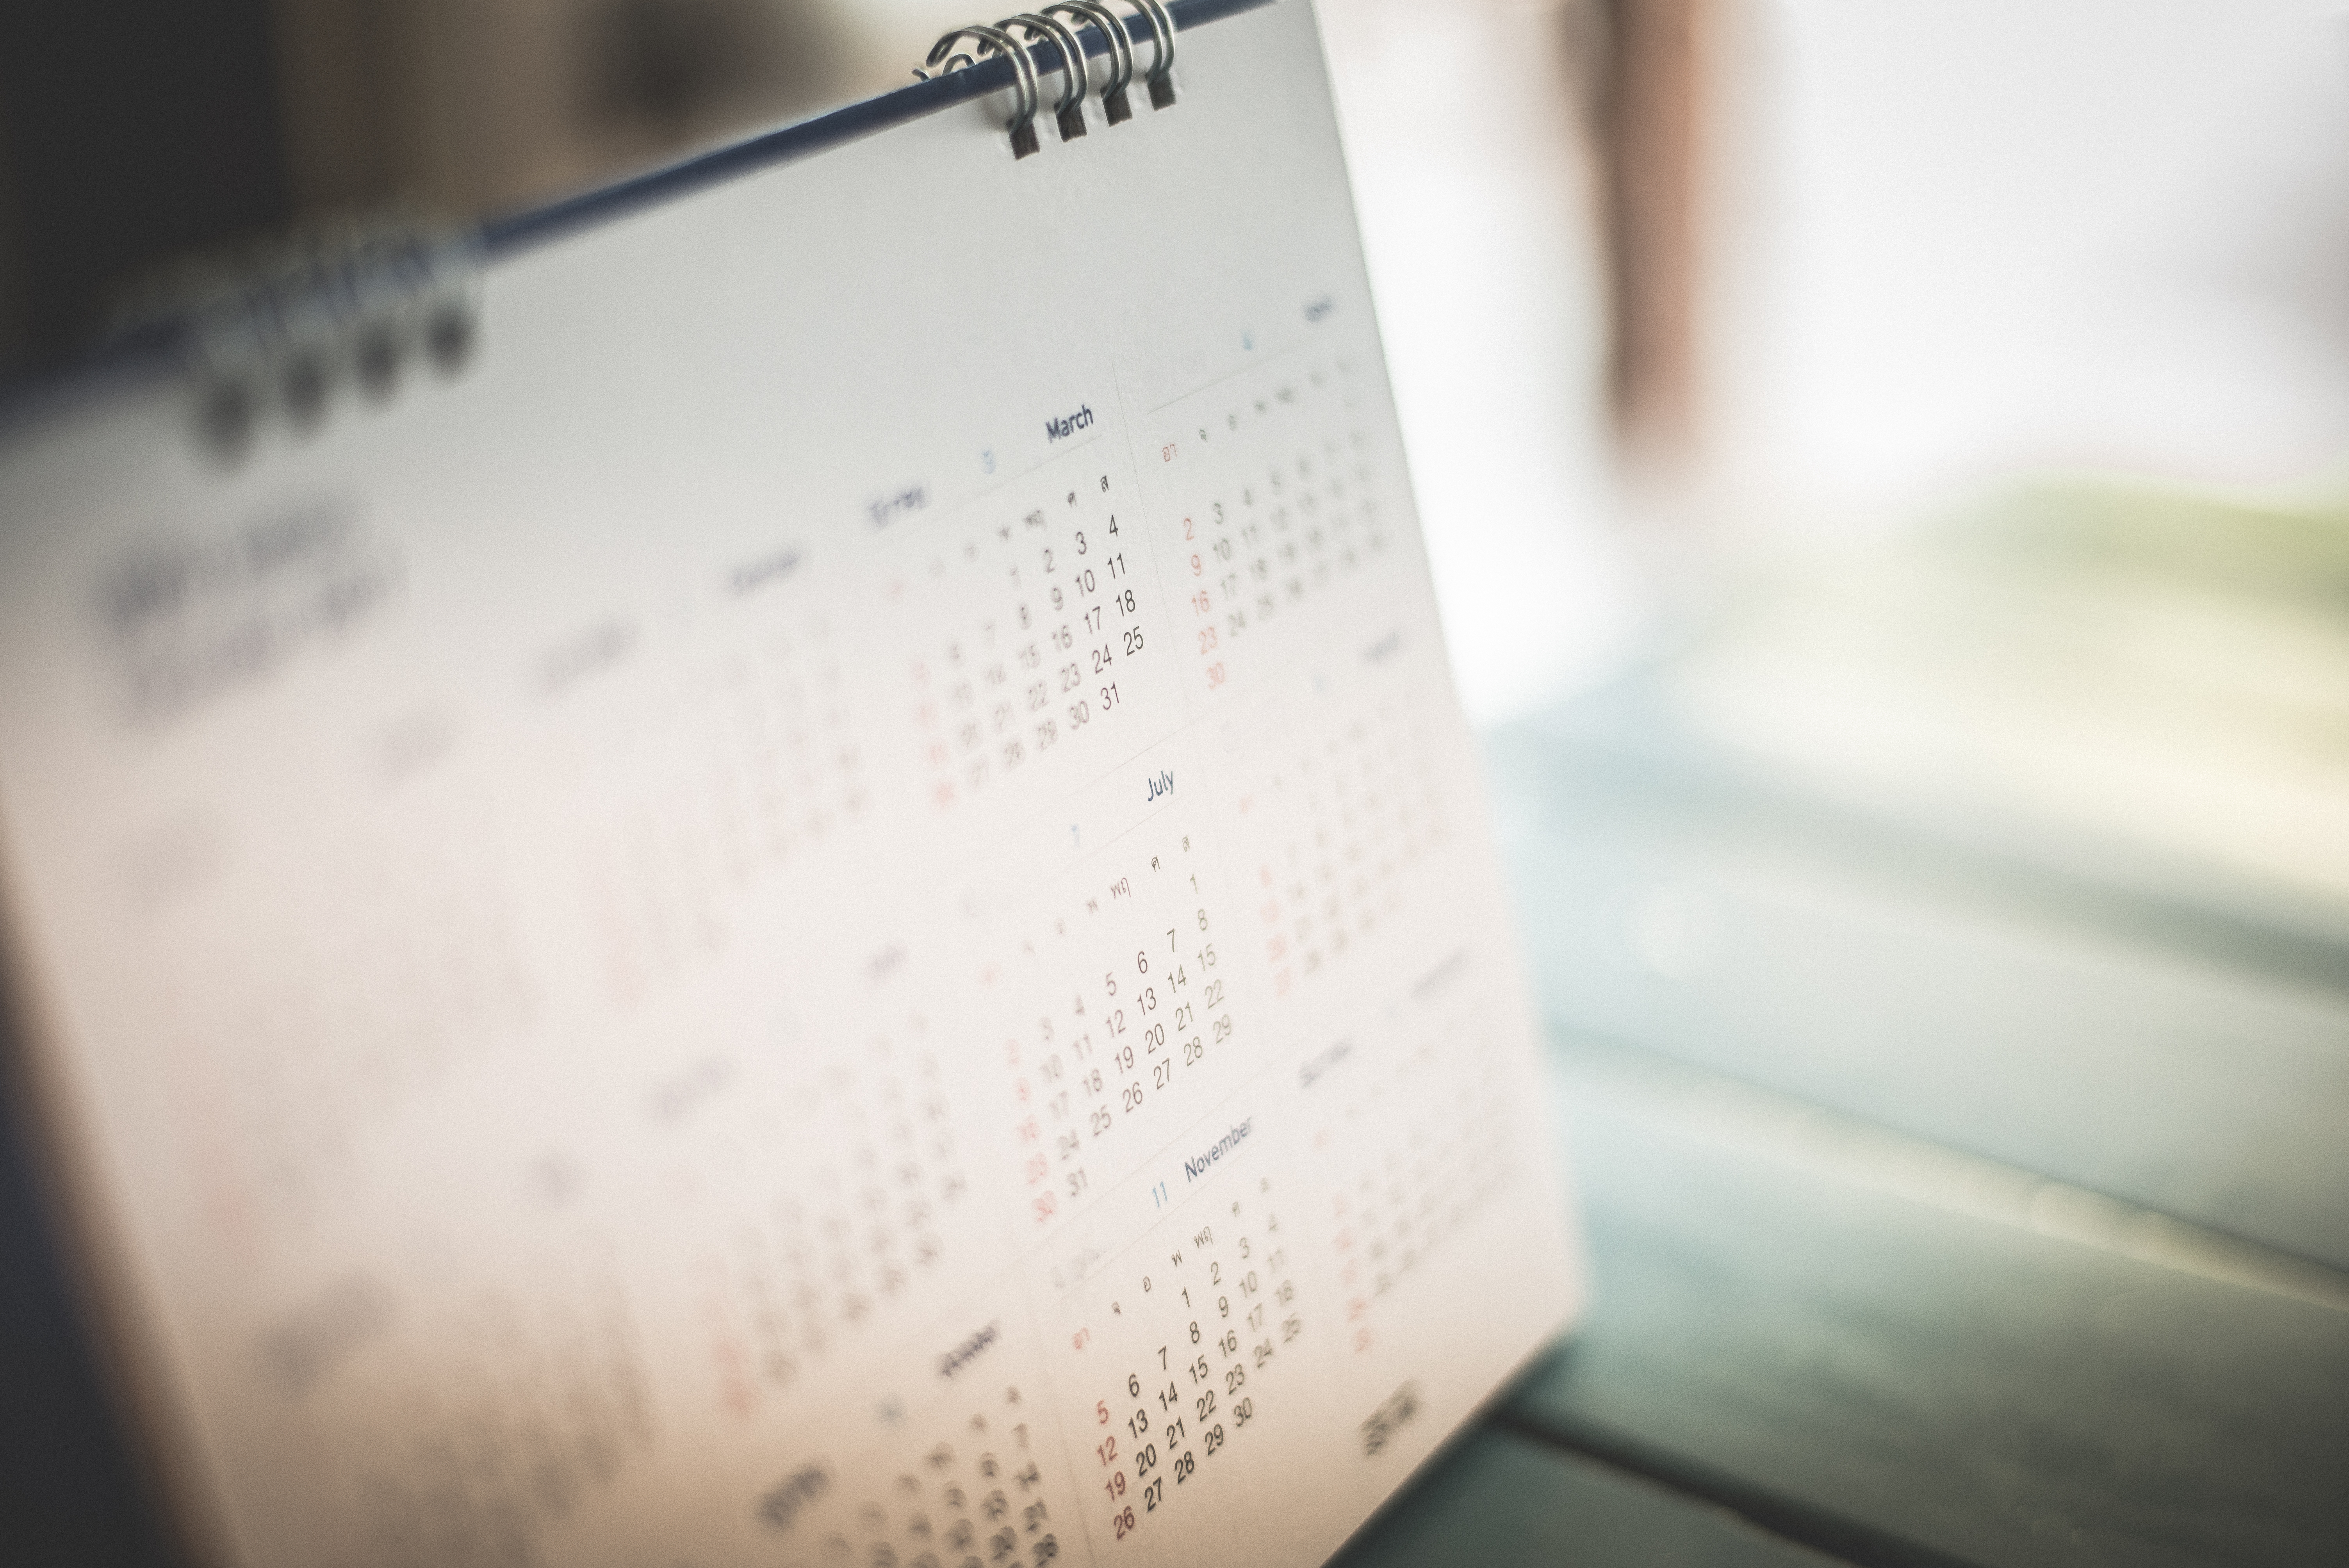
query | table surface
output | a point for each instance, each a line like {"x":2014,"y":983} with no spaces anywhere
{"x":1969,"y":1229}
{"x":1946,"y":1205}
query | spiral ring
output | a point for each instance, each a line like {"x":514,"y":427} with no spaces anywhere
{"x":1161,"y":59}
{"x":1121,"y":44}
{"x":995,"y":39}
{"x":1074,"y":76}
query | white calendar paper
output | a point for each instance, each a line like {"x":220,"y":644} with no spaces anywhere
{"x":834,"y":910}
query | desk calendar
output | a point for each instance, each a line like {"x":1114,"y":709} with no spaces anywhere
{"x":779,"y":868}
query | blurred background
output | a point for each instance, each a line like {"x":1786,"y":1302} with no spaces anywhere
{"x":1801,"y":277}
{"x":1887,"y":470}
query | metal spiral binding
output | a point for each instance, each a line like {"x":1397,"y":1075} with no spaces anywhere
{"x":995,"y":40}
{"x":1071,"y":113}
{"x":1017,"y":37}
{"x":276,"y":336}
{"x":1114,"y":103}
{"x":1162,"y":35}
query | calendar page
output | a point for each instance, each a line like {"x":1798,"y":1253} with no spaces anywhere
{"x":831,"y":909}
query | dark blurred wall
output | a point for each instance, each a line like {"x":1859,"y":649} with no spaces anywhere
{"x":131,"y":133}
{"x":72,"y":1493}
{"x":138,"y":133}
{"x":450,"y":109}
{"x":11,"y":324}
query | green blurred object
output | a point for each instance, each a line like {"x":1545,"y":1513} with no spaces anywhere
{"x":2143,"y":687}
